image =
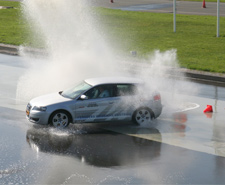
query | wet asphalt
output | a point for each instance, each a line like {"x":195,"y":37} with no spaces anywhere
{"x":180,"y":147}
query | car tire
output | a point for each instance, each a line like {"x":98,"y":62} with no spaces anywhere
{"x":142,"y":115}
{"x":60,"y":119}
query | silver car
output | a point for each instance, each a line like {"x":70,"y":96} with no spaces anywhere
{"x":97,"y":100}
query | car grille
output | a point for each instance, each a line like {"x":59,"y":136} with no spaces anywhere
{"x":28,"y":109}
{"x":28,"y":106}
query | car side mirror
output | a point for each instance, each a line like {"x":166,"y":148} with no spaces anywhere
{"x":83,"y":97}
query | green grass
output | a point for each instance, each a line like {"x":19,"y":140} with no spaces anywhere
{"x":12,"y":28}
{"x":195,"y":40}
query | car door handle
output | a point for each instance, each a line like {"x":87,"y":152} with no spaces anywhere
{"x":92,"y":105}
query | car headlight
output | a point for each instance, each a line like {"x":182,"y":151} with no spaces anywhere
{"x":37,"y":108}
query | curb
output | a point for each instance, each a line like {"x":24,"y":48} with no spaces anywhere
{"x":200,"y":76}
{"x":217,"y":78}
{"x":9,"y":49}
{"x":14,"y":50}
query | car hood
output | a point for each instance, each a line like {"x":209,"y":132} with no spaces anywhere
{"x":49,"y":99}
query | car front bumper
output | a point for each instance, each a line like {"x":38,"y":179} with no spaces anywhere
{"x":37,"y":117}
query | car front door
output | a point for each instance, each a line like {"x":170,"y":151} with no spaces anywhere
{"x":96,"y":106}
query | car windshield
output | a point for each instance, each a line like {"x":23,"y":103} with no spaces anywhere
{"x":76,"y":90}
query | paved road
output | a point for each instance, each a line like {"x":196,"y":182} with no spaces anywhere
{"x":178,"y":148}
{"x":164,"y":6}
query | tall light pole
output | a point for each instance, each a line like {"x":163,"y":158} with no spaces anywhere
{"x":218,"y":18}
{"x":174,"y":16}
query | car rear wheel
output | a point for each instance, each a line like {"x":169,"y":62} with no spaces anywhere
{"x":60,"y":119}
{"x":142,"y":115}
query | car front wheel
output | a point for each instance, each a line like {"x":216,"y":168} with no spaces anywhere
{"x":142,"y":115}
{"x":60,"y":119}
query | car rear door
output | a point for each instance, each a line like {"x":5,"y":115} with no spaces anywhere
{"x":124,"y":102}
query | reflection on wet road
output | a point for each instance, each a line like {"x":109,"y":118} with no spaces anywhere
{"x":183,"y":146}
{"x":89,"y":148}
{"x":90,"y":155}
{"x":192,"y":129}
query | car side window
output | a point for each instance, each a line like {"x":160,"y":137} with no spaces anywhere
{"x":126,"y":89}
{"x":92,"y":93}
{"x":101,"y":91}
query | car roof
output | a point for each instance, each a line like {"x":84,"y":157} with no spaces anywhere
{"x":113,"y":80}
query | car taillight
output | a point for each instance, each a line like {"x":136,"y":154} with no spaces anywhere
{"x":157,"y":97}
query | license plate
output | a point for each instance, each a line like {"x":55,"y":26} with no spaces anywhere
{"x":27,"y":112}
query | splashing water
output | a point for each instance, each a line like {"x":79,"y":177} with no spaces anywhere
{"x":158,"y":77}
{"x":77,"y":50}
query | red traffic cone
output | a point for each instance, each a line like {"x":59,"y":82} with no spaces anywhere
{"x":203,"y":4}
{"x":208,"y":109}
